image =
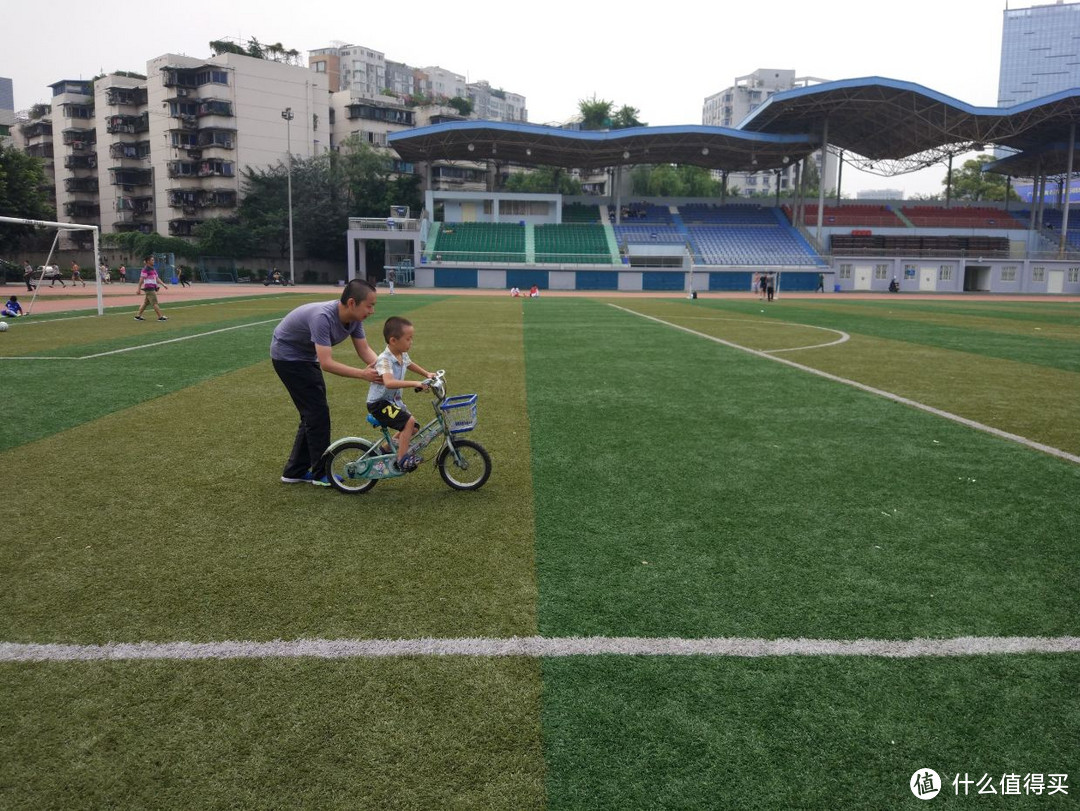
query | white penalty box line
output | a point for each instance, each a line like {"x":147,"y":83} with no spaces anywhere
{"x":141,"y":346}
{"x":888,"y":395}
{"x":539,"y":647}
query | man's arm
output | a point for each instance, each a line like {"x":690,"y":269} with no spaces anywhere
{"x":334,"y":367}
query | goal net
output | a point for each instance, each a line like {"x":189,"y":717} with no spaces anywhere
{"x":45,"y":271}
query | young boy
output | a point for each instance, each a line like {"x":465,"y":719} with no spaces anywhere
{"x":384,"y":398}
{"x":12,"y":308}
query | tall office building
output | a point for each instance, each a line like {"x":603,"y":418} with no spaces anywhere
{"x":1040,"y":52}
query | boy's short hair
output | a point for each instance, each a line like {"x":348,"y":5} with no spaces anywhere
{"x":395,"y":327}
{"x":358,"y":290}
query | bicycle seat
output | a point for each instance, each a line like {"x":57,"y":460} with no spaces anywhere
{"x":374,"y":422}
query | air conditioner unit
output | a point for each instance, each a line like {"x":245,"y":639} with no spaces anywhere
{"x":181,"y":92}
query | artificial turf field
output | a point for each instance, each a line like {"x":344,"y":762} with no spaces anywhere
{"x":648,"y":483}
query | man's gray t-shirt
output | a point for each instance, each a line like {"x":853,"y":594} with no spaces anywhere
{"x":298,"y":333}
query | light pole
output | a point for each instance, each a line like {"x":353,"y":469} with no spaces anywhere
{"x":287,"y":114}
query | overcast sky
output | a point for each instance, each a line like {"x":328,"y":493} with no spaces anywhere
{"x":664,"y":62}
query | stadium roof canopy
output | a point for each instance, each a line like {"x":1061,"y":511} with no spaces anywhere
{"x":537,"y":145}
{"x":884,"y":125}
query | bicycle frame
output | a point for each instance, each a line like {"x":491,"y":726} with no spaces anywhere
{"x":377,"y":465}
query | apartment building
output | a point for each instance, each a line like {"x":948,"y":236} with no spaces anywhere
{"x":496,"y":104}
{"x":76,"y":166}
{"x":212,"y":118}
{"x":731,"y":105}
{"x":351,"y":67}
{"x":165,"y":151}
{"x":33,"y":134}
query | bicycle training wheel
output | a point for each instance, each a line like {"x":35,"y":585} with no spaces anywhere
{"x":471,"y":472}
{"x":338,"y":467}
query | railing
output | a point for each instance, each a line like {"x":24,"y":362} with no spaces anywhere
{"x":383,"y":224}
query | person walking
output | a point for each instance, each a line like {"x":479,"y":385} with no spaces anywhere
{"x":149,"y":282}
{"x":28,"y":276}
{"x":76,"y":274}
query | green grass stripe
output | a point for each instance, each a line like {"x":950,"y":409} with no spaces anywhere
{"x":803,"y":733}
{"x":172,"y":523}
{"x":1030,"y":400}
{"x":688,"y":489}
{"x":1058,"y":349}
{"x":420,"y":733}
{"x":55,"y":395}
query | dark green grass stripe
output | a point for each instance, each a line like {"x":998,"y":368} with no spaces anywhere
{"x":1038,"y":312}
{"x":798,"y":733}
{"x":1051,"y":352}
{"x":421,"y":733}
{"x":54,"y":395}
{"x":688,"y":489}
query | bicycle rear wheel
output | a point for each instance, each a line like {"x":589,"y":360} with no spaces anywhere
{"x":339,"y":467}
{"x":473,"y":469}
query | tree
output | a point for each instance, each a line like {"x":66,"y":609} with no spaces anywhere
{"x":972,"y":184}
{"x":544,"y":180}
{"x":463,"y":106}
{"x":626,"y":117}
{"x":670,"y":180}
{"x":595,"y":113}
{"x":22,"y":194}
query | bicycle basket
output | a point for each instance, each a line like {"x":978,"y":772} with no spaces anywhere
{"x":460,"y":412}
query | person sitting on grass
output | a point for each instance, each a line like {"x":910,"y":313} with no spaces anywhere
{"x":12,"y":308}
{"x":384,"y":398}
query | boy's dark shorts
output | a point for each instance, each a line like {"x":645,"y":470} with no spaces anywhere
{"x":389,"y":414}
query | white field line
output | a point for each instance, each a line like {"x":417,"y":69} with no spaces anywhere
{"x":978,"y":426}
{"x":537,"y":647}
{"x":45,"y":318}
{"x":844,"y":337}
{"x":141,"y":346}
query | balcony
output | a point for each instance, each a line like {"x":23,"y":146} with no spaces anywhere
{"x":37,"y":129}
{"x":183,"y":228}
{"x":125,"y":96}
{"x":44,"y":151}
{"x":134,"y":208}
{"x":81,"y":185}
{"x":183,"y":79}
{"x":81,"y":210}
{"x":216,"y":138}
{"x":215,"y":107}
{"x":78,"y":137}
{"x":139,"y":151}
{"x":130,"y":177}
{"x":81,"y":161}
{"x":127,"y":123}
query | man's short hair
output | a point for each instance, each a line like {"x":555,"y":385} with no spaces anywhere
{"x":395,"y":327}
{"x":358,"y":290}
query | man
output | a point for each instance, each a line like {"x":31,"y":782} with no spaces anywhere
{"x":28,"y":276}
{"x":301,"y":350}
{"x":149,"y":282}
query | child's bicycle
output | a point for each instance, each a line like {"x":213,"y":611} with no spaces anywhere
{"x":355,"y":464}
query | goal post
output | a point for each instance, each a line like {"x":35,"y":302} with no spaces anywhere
{"x":67,"y":226}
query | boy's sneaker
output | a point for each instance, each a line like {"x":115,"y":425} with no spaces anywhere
{"x":139,"y":318}
{"x":409,"y":462}
{"x":297,"y":480}
{"x":163,"y":318}
{"x":323,"y":482}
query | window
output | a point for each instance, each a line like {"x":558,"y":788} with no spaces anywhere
{"x":1008,"y":274}
{"x":1038,"y":274}
{"x":944,"y":273}
{"x":1074,"y":274}
{"x":320,"y":67}
{"x":845,"y":272}
{"x":881,"y":271}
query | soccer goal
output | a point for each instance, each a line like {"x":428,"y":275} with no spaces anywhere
{"x":219,"y":269}
{"x":42,"y":271}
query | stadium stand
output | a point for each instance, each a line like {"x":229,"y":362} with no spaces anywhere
{"x":1051,"y":220}
{"x":732,"y":214}
{"x":751,"y":245}
{"x":853,"y":216}
{"x":881,"y":245}
{"x":579,"y":212}
{"x":663,"y":234}
{"x":961,"y":217}
{"x":642,"y":213}
{"x":578,"y":243}
{"x":480,"y":242}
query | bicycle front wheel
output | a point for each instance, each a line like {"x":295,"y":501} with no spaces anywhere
{"x":340,"y":467}
{"x":471,"y":471}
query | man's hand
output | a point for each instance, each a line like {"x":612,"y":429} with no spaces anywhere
{"x":370,"y":375}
